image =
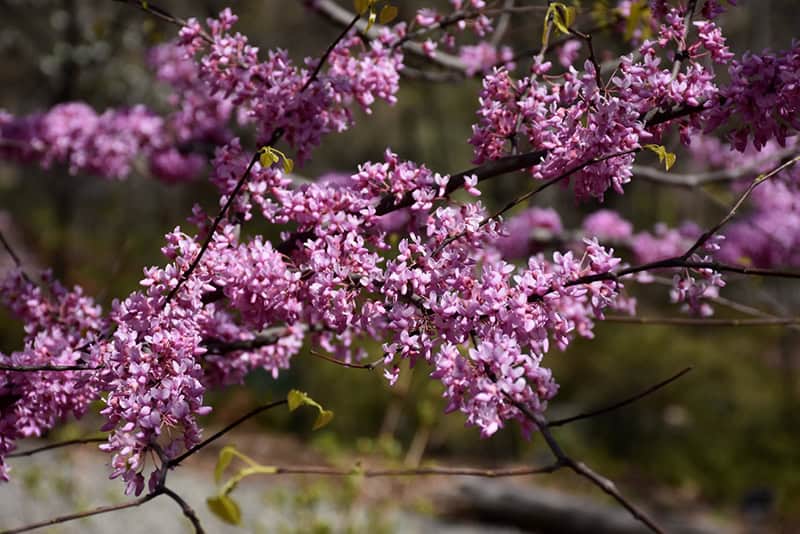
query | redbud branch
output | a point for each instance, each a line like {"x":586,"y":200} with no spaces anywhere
{"x":620,"y":404}
{"x":694,"y":321}
{"x":583,"y":470}
{"x":38,"y":368}
{"x":268,"y":337}
{"x":699,"y":179}
{"x":328,"y":52}
{"x":367,"y":366}
{"x":687,"y":23}
{"x":755,"y":183}
{"x":587,"y":38}
{"x":80,"y":515}
{"x":422,"y":471}
{"x":159,"y":13}
{"x":252,"y":413}
{"x":187,"y":510}
{"x":214,"y":226}
{"x":52,"y":446}
{"x":532,"y":193}
{"x":14,"y":257}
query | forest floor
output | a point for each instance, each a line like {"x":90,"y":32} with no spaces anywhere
{"x":75,"y":478}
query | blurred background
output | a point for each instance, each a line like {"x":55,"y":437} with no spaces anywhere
{"x":721,"y":445}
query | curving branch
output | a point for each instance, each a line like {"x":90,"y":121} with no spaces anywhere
{"x":53,"y":446}
{"x":620,"y":404}
{"x":584,"y":470}
{"x":697,"y":321}
{"x":693,"y":180}
{"x":252,"y":413}
{"x":81,"y":515}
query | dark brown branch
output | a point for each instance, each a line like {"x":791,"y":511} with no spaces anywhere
{"x":268,"y":337}
{"x":252,"y":413}
{"x":38,"y":368}
{"x":583,"y":470}
{"x":717,"y":227}
{"x":160,"y":13}
{"x":422,"y":471}
{"x":14,"y":257}
{"x":530,"y":194}
{"x":704,"y":178}
{"x":696,"y":321}
{"x":187,"y":510}
{"x":58,"y":445}
{"x":341,"y":16}
{"x":214,"y":226}
{"x":328,"y":52}
{"x":10,"y":250}
{"x":80,"y":515}
{"x":367,"y":366}
{"x":620,"y":404}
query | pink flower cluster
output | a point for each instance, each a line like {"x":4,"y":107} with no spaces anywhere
{"x":277,"y":95}
{"x":579,"y":122}
{"x":57,"y":320}
{"x":441,"y":292}
{"x":763,"y":98}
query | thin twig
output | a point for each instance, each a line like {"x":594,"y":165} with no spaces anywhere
{"x":693,"y":180}
{"x":696,"y":321}
{"x":422,"y":471}
{"x":40,"y":368}
{"x":620,"y":404}
{"x":583,"y":470}
{"x":214,"y":226}
{"x":187,"y":510}
{"x":80,"y":515}
{"x":160,"y":13}
{"x":755,"y":183}
{"x":252,"y":413}
{"x":328,"y":52}
{"x":566,"y":174}
{"x":367,"y":366}
{"x":58,"y":445}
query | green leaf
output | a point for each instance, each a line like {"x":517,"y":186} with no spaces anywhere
{"x":371,"y":20}
{"x":563,"y":16}
{"x":668,"y":158}
{"x":225,"y":508}
{"x":268,"y":156}
{"x":223,"y":461}
{"x":361,"y":6}
{"x":324,"y":417}
{"x":388,"y":14}
{"x":297,"y":398}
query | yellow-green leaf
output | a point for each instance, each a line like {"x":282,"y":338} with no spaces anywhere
{"x":563,"y":16}
{"x":223,"y":461}
{"x":371,"y":20}
{"x":297,"y":398}
{"x":361,"y":6}
{"x":388,"y":14}
{"x":324,"y":417}
{"x":288,"y":164}
{"x":268,"y":156}
{"x":668,"y":158}
{"x":225,"y":508}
